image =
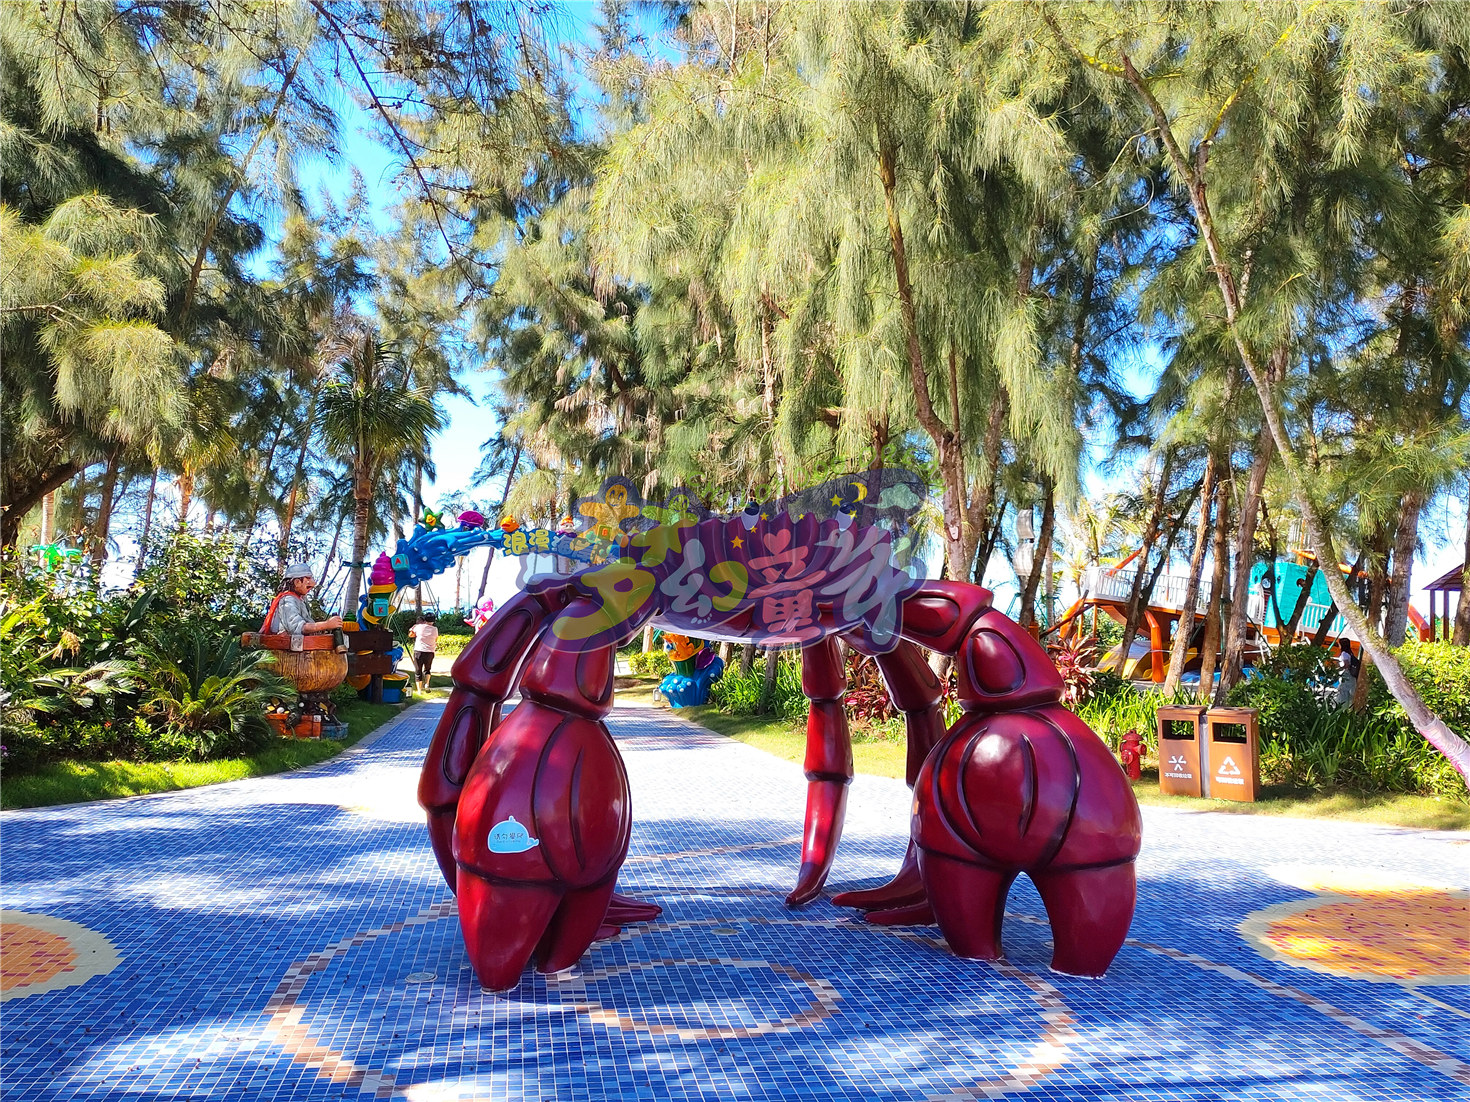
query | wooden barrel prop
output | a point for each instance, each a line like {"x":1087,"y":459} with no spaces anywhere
{"x":311,"y":671}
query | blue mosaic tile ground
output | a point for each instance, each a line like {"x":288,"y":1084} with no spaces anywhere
{"x":290,"y":938}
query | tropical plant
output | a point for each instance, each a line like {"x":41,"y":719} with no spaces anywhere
{"x":209,"y":700}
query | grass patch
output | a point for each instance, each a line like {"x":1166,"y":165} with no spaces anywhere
{"x":69,"y":782}
{"x":787,"y":739}
{"x":1389,"y":809}
{"x":886,"y":758}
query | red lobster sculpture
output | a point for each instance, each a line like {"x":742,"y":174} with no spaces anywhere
{"x":529,"y":815}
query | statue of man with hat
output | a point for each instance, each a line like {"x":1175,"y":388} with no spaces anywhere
{"x":289,"y":614}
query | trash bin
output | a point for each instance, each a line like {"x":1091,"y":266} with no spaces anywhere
{"x":1232,"y":752}
{"x":393,"y":686}
{"x":1179,"y":750}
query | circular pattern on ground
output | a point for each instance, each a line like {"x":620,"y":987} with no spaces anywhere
{"x":40,"y":953}
{"x":714,"y":981}
{"x":1383,"y":932}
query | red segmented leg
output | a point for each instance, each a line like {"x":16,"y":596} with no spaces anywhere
{"x":916,"y":692}
{"x":485,"y":675}
{"x":828,"y":766}
{"x":969,"y":903}
{"x":1090,"y":911}
{"x":544,"y":817}
{"x":1019,"y":784}
{"x":939,"y":617}
{"x":574,"y":928}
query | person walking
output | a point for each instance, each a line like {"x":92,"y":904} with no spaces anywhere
{"x":425,"y":636}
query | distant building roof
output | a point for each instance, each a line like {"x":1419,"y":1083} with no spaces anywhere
{"x":1450,"y":581}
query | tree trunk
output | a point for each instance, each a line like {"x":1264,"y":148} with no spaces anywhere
{"x":291,"y":497}
{"x":1461,"y":637}
{"x":1043,"y":550}
{"x":989,"y":477}
{"x":102,"y":530}
{"x":1288,"y":633}
{"x":768,"y":686}
{"x":262,"y":487}
{"x":1434,"y":729}
{"x":485,"y":576}
{"x":1245,"y":560}
{"x":48,"y":519}
{"x":332,"y":553}
{"x":950,"y":454}
{"x":186,"y":497}
{"x":1150,"y":533}
{"x":1209,"y":648}
{"x":148,"y":515}
{"x":1185,"y":626}
{"x":362,"y":495}
{"x":23,"y":495}
{"x":1319,"y":637}
{"x":418,"y":511}
{"x":1406,"y":539}
{"x":747,"y":659}
{"x":1377,"y":595}
{"x":224,"y":204}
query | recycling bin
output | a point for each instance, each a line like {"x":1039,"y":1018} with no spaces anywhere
{"x":1180,"y":750}
{"x":1232,"y":754}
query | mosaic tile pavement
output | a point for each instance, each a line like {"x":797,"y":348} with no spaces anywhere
{"x":290,"y":938}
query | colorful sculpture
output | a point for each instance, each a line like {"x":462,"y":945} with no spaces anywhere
{"x":481,"y":616}
{"x":1018,"y":784}
{"x":696,"y":669}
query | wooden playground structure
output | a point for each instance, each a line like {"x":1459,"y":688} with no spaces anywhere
{"x":1107,"y":590}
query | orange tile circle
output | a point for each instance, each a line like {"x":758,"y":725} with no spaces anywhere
{"x":30,"y":955}
{"x":1407,"y":938}
{"x":41,"y":953}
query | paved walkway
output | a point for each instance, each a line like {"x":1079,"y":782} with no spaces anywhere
{"x":290,"y":938}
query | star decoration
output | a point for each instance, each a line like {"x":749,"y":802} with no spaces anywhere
{"x":737,"y":542}
{"x":765,"y":516}
{"x":836,"y":499}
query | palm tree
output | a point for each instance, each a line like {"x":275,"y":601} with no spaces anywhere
{"x":372,"y":420}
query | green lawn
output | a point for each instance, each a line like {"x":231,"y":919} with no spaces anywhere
{"x":70,"y":782}
{"x":787,"y":739}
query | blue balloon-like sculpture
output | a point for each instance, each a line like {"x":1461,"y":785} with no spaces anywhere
{"x":433,"y":547}
{"x":684,"y":691}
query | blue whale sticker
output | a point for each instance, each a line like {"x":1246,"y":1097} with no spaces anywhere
{"x":511,"y":837}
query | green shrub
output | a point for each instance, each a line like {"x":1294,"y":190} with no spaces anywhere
{"x":1307,"y":741}
{"x":454,"y":644}
{"x":206,"y":700}
{"x":1441,"y":674}
{"x":1116,"y":707}
{"x":1302,"y":662}
{"x":1287,"y":707}
{"x":653,"y":663}
{"x":745,"y":696}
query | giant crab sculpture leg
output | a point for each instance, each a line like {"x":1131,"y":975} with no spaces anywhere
{"x":485,"y":675}
{"x":1018,"y":784}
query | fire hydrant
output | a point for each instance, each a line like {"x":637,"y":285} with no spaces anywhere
{"x":1132,"y":754}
